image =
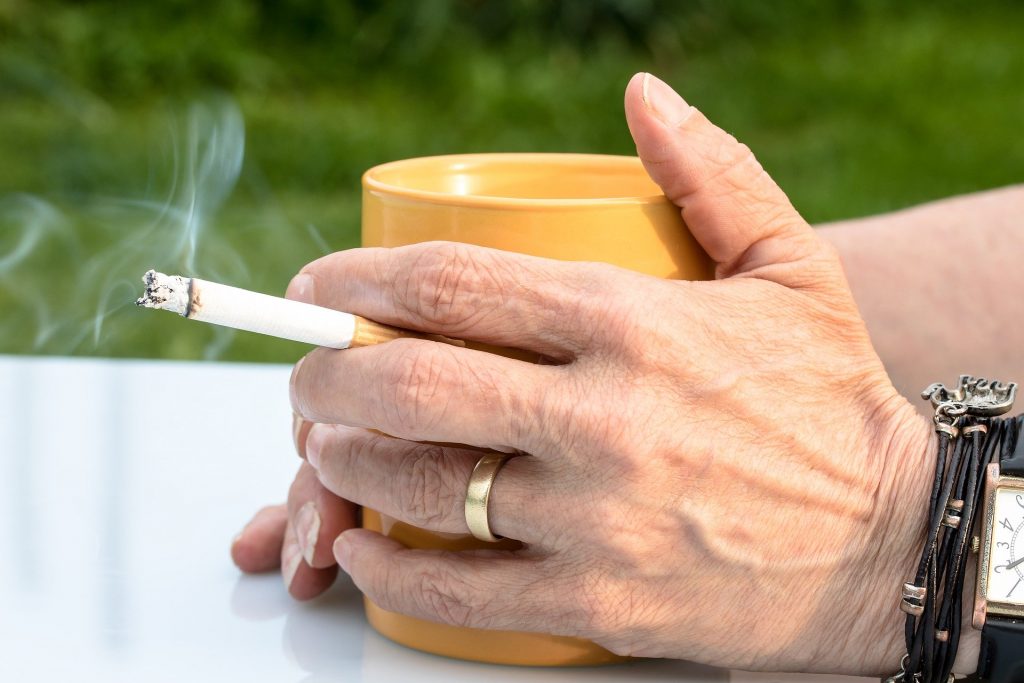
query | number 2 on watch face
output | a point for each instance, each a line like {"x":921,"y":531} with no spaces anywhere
{"x":1006,"y":558}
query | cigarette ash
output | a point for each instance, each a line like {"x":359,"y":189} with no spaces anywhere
{"x":167,"y":292}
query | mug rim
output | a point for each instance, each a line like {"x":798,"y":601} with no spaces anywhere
{"x":371,"y":180}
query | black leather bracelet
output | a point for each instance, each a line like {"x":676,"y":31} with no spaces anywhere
{"x":934,"y":614}
{"x":970,"y":435}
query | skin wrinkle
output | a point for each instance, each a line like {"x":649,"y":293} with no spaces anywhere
{"x":425,"y":473}
{"x":764,"y":260}
{"x":440,"y":598}
{"x":474,"y":293}
{"x":739,"y":173}
{"x":726,"y":153}
{"x":440,"y":288}
{"x":361,"y":449}
{"x":412,"y":380}
{"x":434,"y":282}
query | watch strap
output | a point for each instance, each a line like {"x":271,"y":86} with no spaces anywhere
{"x":1002,"y":639}
{"x":1013,"y":464}
{"x":1002,"y":651}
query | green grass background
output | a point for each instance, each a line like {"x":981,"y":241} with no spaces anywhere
{"x":116,"y":124}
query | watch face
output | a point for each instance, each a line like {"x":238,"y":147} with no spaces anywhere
{"x":1006,"y":547}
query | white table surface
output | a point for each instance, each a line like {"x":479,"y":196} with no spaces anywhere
{"x":114,"y":535}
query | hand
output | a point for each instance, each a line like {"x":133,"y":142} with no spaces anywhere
{"x":1015,"y":564}
{"x":297,"y":537}
{"x":717,"y":471}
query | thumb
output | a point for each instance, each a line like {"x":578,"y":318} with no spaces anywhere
{"x":733,"y":208}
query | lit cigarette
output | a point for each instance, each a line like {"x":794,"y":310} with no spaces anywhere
{"x":241,"y":309}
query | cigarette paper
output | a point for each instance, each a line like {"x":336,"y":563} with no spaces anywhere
{"x":242,"y":309}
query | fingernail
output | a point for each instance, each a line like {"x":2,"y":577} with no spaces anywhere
{"x":292,"y":396}
{"x":307,"y":530}
{"x":314,"y":444}
{"x":300,"y":443}
{"x":664,"y":102}
{"x":343,"y":552}
{"x":291,"y":558}
{"x":300,"y":288}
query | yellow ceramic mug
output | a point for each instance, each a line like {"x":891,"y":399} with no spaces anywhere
{"x":575,"y":207}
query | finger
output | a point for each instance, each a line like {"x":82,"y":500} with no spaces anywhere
{"x":317,"y":517}
{"x":731,"y":205}
{"x":425,"y":484}
{"x":302,"y":581}
{"x":488,"y":589}
{"x":257,"y":548}
{"x":423,"y":391}
{"x":465,"y":291}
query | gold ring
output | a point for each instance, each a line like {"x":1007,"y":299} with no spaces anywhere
{"x":478,"y":493}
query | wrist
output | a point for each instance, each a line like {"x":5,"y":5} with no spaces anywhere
{"x":863,"y":634}
{"x":904,"y":487}
{"x":908,"y":474}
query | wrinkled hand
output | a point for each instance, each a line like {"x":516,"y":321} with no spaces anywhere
{"x":716,"y":471}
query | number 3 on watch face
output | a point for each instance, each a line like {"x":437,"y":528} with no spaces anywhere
{"x":1006,"y":558}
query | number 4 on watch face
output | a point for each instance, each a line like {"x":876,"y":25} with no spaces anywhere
{"x":1006,"y":554}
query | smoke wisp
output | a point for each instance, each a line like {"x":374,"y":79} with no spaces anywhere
{"x":70,"y":267}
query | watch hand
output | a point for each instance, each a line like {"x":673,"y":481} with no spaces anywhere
{"x":1015,"y":563}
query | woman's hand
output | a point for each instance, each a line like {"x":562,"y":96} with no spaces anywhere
{"x":716,"y":471}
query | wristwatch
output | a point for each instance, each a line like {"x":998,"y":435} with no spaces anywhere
{"x":999,"y":598}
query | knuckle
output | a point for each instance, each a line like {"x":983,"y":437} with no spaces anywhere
{"x":443,"y":598}
{"x":579,"y":420}
{"x":599,"y":310}
{"x":445,"y":284}
{"x":624,"y":325}
{"x":414,"y":377}
{"x":734,"y":156}
{"x":424,"y":490}
{"x":731,"y":169}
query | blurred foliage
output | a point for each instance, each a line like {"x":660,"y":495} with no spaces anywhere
{"x":855,"y":107}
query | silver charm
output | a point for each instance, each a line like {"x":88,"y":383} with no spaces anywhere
{"x":975,"y":396}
